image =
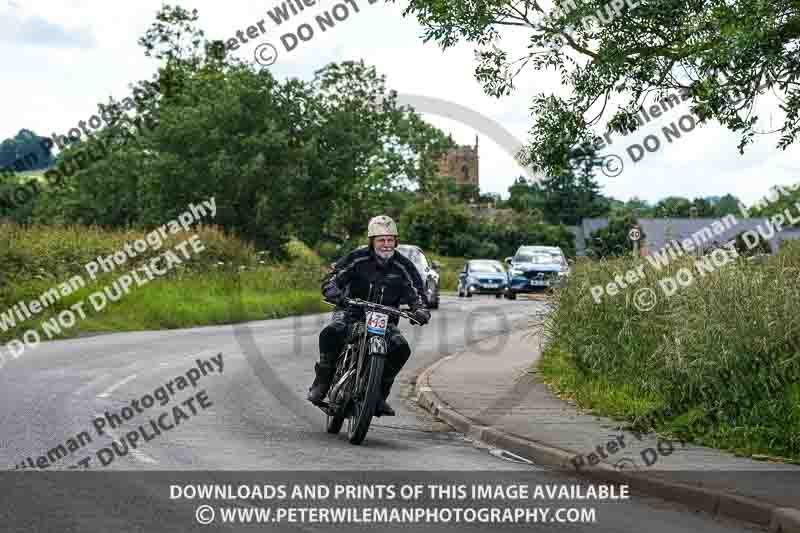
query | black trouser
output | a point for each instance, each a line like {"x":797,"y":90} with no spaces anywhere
{"x":332,"y":341}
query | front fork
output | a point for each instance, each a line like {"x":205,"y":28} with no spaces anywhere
{"x":375,"y":346}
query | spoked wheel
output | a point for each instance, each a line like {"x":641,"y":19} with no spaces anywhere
{"x":366,"y":401}
{"x":335,"y":424}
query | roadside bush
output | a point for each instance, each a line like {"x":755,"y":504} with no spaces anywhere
{"x":451,"y":230}
{"x":612,"y":240}
{"x":718,"y":362}
{"x":328,"y":251}
{"x":57,"y":252}
{"x":198,"y":292}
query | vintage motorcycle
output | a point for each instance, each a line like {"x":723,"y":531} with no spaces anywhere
{"x":356,"y":390}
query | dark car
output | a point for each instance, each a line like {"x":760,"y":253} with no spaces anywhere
{"x":535,"y":268}
{"x":482,"y":276}
{"x":427,"y":271}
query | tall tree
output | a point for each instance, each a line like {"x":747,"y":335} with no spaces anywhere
{"x":569,"y":197}
{"x":722,"y":55}
{"x":283,"y":158}
{"x":24,"y":152}
{"x":374,"y":149}
{"x":727,"y":205}
{"x":673,"y":206}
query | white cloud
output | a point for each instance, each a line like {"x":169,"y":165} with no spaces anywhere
{"x":36,"y":30}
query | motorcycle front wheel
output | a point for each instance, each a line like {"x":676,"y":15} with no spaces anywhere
{"x":335,"y":424}
{"x":366,"y":402}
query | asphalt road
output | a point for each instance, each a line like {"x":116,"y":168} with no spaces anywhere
{"x":250,"y":417}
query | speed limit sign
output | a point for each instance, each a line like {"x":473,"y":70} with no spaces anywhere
{"x":634,"y":234}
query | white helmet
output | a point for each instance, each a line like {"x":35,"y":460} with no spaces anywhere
{"x":381,"y":225}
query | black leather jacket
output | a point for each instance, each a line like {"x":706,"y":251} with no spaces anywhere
{"x":361,"y":274}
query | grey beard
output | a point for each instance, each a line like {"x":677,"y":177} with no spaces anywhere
{"x":383,"y":255}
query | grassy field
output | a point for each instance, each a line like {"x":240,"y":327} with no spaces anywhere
{"x":718,"y":363}
{"x":227,"y":283}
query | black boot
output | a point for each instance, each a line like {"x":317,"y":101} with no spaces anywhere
{"x":322,"y":382}
{"x":384,"y":409}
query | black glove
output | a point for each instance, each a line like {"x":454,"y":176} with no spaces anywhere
{"x":332,"y":293}
{"x":421,"y":315}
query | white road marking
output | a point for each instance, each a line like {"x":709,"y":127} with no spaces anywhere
{"x":508,"y":456}
{"x":89,"y":385}
{"x":112,"y":388}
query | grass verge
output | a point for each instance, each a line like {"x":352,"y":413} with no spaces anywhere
{"x":717,"y":363}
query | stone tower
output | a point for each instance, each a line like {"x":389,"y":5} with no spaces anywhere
{"x":461,"y":163}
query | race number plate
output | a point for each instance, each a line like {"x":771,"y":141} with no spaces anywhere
{"x":376,"y":323}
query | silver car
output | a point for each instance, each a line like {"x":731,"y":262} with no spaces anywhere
{"x":427,"y":271}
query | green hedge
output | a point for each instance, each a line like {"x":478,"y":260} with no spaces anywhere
{"x":718,"y":362}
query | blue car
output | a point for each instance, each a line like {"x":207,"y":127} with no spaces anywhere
{"x":482,"y":276}
{"x":536,"y":268}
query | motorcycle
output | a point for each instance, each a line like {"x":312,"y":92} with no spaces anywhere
{"x":356,"y":390}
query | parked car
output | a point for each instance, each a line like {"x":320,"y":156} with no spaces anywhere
{"x":535,"y":268}
{"x":482,"y":276}
{"x":428,"y":271}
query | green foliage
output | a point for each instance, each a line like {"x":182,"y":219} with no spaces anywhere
{"x":370,"y":150}
{"x":680,"y":207}
{"x":525,"y":197}
{"x":306,"y":159}
{"x":718,"y":362}
{"x":612,"y":240}
{"x":450,"y":267}
{"x":451,"y":229}
{"x":435,"y":226}
{"x":762,"y":247}
{"x":227,"y":282}
{"x":564,"y":199}
{"x":329,"y":251}
{"x":570,"y":197}
{"x":53,"y":253}
{"x":778,"y":201}
{"x":719,"y":53}
{"x":23,"y":152}
{"x":727,"y":205}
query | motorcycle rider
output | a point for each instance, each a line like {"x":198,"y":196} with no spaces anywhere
{"x":375,"y":273}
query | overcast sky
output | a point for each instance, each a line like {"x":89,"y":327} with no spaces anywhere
{"x":62,"y":58}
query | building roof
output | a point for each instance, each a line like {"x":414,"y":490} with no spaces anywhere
{"x":703,"y":232}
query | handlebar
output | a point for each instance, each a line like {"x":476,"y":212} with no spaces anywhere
{"x":355,"y":302}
